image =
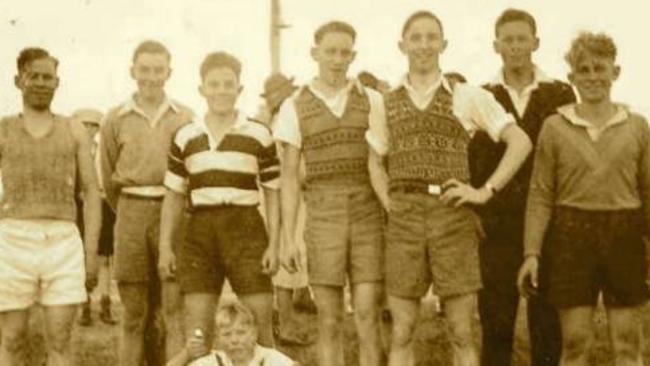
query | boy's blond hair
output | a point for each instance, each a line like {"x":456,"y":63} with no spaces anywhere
{"x":590,"y":44}
{"x":231,"y":312}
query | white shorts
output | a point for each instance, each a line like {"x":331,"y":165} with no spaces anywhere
{"x":41,"y":261}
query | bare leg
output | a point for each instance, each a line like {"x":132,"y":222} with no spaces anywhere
{"x":405,"y":312}
{"x":459,"y":311}
{"x":172,"y":311}
{"x":329,"y":301}
{"x":625,"y":335}
{"x":58,"y":328}
{"x":367,"y":310}
{"x":13,"y":348}
{"x":261,"y":304}
{"x":134,"y":298}
{"x":577,"y":334}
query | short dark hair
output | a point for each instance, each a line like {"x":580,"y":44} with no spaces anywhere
{"x":151,"y":46}
{"x":587,"y":43}
{"x":31,"y":54}
{"x":332,"y":27}
{"x":220,"y":59}
{"x":419,"y":15}
{"x":515,"y":15}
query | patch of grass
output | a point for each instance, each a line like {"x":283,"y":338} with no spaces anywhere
{"x":97,"y":345}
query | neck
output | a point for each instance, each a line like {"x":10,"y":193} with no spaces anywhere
{"x":331,"y":83}
{"x":597,"y":113}
{"x":421,"y":80}
{"x":221,"y":118}
{"x":243,"y":359}
{"x":153,"y":102}
{"x":519,"y":76}
{"x":32,"y":113}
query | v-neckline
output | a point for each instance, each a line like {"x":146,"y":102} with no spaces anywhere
{"x":50,"y":131}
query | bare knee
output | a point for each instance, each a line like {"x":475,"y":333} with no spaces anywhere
{"x":627,"y":344}
{"x":575,"y":345}
{"x":461,"y":335}
{"x":14,"y":341}
{"x":58,"y":340}
{"x":403,"y":330}
{"x":134,"y":320}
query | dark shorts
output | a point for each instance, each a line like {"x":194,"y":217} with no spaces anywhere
{"x":592,"y":251}
{"x":344,"y":235}
{"x":137,"y":233}
{"x":106,"y":236}
{"x":429,"y":242}
{"x":224,"y":242}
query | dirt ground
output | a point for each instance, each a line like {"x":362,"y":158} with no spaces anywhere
{"x":97,"y":345}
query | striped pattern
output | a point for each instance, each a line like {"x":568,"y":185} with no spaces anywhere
{"x":227,"y":173}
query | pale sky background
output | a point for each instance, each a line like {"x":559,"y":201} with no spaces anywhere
{"x":94,"y":40}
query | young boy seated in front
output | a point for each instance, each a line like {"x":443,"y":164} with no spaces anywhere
{"x":236,"y":342}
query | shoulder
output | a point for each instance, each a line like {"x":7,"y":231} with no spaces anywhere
{"x":273,"y":357}
{"x":186,"y":133}
{"x":77,"y":129}
{"x":183,"y":109}
{"x":114,"y":114}
{"x":256,"y":130}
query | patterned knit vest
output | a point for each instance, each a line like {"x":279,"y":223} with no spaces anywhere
{"x":335,"y":149}
{"x":426,"y":147}
{"x":38,"y":174}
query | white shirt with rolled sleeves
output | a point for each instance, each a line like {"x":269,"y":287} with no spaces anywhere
{"x":475,"y":108}
{"x":287,"y":128}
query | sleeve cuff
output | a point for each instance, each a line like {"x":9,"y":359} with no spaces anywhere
{"x":175,"y":183}
{"x":379,"y":147}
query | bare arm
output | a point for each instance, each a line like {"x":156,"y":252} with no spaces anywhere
{"x":108,"y":154}
{"x":170,"y":218}
{"x":518,"y":146}
{"x":378,"y":177}
{"x":289,"y":191}
{"x":92,"y":200}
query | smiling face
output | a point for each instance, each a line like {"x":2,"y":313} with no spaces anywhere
{"x":151,"y":71}
{"x":38,"y":81}
{"x":593,"y":76}
{"x":334,"y":54}
{"x":220,"y":87}
{"x":422,"y":43}
{"x":516,"y":43}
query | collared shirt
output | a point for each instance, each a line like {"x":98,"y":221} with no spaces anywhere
{"x":475,"y":108}
{"x":287,"y":128}
{"x":572,"y":169}
{"x":224,"y":172}
{"x":263,"y":357}
{"x":134,"y":147}
{"x":594,"y":131}
{"x":520,"y":100}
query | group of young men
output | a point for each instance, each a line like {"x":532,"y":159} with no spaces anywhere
{"x":430,"y":182}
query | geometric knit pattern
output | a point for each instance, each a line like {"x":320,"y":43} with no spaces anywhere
{"x":335,"y":149}
{"x":425,"y":147}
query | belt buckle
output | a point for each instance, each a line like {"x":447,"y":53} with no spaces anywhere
{"x":434,"y":189}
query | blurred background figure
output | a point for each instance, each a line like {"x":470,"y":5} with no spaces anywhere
{"x":91,"y":119}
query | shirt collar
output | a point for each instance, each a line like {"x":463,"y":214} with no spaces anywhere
{"x":240,"y":120}
{"x":405,"y":82}
{"x":538,"y":77}
{"x":132,"y":106}
{"x":354,"y":82}
{"x":569,"y":112}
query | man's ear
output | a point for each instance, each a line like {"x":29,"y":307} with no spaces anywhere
{"x":617,"y":72}
{"x":17,"y":81}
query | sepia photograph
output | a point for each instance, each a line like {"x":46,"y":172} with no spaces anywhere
{"x":326,"y":183}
